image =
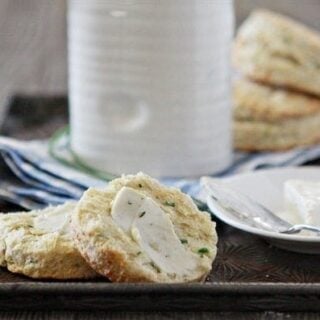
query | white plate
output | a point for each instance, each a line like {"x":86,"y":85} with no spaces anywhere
{"x":266,"y":186}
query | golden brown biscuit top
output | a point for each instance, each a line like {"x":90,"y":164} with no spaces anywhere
{"x":268,"y":22}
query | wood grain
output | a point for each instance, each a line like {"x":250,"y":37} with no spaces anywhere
{"x":157,"y":316}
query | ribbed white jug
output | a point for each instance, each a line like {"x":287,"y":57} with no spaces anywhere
{"x":149,"y":85}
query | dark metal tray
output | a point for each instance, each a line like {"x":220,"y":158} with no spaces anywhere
{"x":248,"y":274}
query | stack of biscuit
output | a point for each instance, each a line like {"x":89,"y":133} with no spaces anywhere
{"x":277,"y":99}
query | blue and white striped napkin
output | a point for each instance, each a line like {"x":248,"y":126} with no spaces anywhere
{"x":32,"y":177}
{"x":36,"y":178}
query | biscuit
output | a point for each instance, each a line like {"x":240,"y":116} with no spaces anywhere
{"x":38,"y":244}
{"x":262,"y":136}
{"x":267,"y":118}
{"x":255,"y":101}
{"x":276,"y":50}
{"x":121,"y":256}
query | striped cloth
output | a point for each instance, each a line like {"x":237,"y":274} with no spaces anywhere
{"x":32,"y":178}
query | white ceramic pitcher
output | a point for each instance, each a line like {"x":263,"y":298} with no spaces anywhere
{"x":149,"y":85}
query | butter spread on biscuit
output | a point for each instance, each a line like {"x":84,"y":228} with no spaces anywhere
{"x":125,"y":207}
{"x":153,"y":230}
{"x":159,"y":241}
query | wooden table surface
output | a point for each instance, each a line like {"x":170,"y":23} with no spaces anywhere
{"x":33,"y":59}
{"x":156,"y":316}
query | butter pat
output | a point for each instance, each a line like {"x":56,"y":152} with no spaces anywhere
{"x":125,"y":207}
{"x":144,"y":220}
{"x":303,"y":199}
{"x":159,"y":241}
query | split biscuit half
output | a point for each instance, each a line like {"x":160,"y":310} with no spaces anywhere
{"x":137,"y":230}
{"x":38,"y":244}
